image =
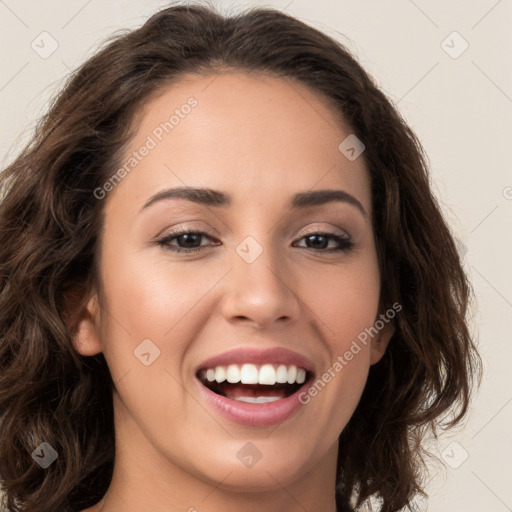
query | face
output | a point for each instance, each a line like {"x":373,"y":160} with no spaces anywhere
{"x":260,"y":283}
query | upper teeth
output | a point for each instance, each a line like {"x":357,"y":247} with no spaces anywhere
{"x":251,"y":374}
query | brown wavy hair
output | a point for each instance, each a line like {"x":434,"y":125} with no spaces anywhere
{"x":50,"y":227}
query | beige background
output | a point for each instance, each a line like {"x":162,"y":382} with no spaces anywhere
{"x":461,"y":108}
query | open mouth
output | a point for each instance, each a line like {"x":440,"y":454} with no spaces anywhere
{"x":254,"y":384}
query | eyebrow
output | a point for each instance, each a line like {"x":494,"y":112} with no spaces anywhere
{"x":210,"y":197}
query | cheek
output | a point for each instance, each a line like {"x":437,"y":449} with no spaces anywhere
{"x":345,"y":305}
{"x":149,"y":321}
{"x":344,"y":298}
{"x":152,"y":298}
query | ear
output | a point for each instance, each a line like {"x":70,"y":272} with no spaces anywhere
{"x":380,"y":342}
{"x":83,"y":321}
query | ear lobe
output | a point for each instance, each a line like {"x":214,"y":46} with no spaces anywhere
{"x":82,"y":320}
{"x":380,"y":342}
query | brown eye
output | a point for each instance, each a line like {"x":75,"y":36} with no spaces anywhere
{"x":188,"y":241}
{"x":320,"y":241}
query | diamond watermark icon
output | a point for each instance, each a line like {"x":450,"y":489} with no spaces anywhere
{"x":454,"y":455}
{"x":44,"y":45}
{"x":44,"y":455}
{"x":146,"y":352}
{"x":249,"y":249}
{"x":249,"y":455}
{"x":351,"y":147}
{"x":461,"y":247}
{"x":454,"y":45}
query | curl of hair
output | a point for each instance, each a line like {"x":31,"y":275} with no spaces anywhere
{"x":50,"y":232}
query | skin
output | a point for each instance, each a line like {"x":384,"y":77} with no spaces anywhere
{"x":260,"y":139}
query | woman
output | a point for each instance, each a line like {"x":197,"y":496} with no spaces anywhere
{"x":225,"y":282}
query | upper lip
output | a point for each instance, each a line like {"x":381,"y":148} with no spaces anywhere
{"x":277,"y":355}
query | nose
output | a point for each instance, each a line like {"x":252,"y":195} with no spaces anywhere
{"x":260,"y":293}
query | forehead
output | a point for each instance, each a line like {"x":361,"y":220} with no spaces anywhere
{"x":259,"y":136}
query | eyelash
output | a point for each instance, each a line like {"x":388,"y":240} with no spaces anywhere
{"x":345,"y":242}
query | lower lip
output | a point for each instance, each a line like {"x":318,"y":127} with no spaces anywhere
{"x":253,"y":415}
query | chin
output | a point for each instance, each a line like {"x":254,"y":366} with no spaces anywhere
{"x":269,"y":472}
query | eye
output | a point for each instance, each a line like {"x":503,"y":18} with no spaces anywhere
{"x":319,"y":241}
{"x":188,"y":237}
{"x":189,"y":241}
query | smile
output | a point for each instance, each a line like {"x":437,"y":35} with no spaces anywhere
{"x":252,"y":383}
{"x":250,"y":390}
